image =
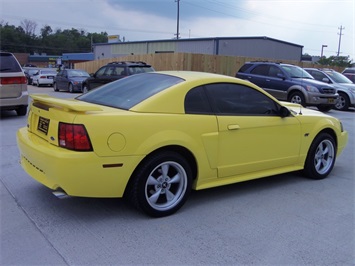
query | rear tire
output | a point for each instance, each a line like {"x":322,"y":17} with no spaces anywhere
{"x":343,"y":102}
{"x":321,"y":157}
{"x":22,"y":111}
{"x":70,"y":88}
{"x":85,"y":88}
{"x":161,"y":184}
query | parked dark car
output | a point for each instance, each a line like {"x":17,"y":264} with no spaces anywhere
{"x":114,"y":71}
{"x":290,"y":83}
{"x":70,"y":80}
{"x":344,"y":86}
{"x":30,"y":72}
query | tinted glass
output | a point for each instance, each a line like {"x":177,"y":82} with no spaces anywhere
{"x":261,"y":70}
{"x":196,"y":102}
{"x":244,"y":67}
{"x":8,"y":63}
{"x":127,"y":92}
{"x":235,"y":99}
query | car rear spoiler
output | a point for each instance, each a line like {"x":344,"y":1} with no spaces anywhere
{"x":67,"y":104}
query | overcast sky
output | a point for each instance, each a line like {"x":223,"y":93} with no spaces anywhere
{"x":310,"y":23}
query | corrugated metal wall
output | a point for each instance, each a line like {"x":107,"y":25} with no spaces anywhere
{"x":247,"y":47}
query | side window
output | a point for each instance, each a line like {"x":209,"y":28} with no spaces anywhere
{"x":318,"y":75}
{"x":236,"y":99}
{"x":274,"y":71}
{"x":120,"y":71}
{"x":196,"y":102}
{"x":260,"y":70}
{"x":101,"y":71}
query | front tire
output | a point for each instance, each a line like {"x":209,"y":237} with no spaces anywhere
{"x":55,"y":88}
{"x":161,"y":184}
{"x":297,"y":97}
{"x":85,"y":88}
{"x":321,"y":157}
{"x":70,"y":88}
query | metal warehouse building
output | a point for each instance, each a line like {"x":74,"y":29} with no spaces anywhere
{"x":258,"y":47}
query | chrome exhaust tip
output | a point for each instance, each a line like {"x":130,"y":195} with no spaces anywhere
{"x":60,"y":194}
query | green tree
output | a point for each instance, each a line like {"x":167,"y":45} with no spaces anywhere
{"x":340,"y":61}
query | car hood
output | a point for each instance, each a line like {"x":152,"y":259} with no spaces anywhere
{"x":311,"y":82}
{"x":344,"y":86}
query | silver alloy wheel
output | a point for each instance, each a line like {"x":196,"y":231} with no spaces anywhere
{"x":85,"y":89}
{"x":296,"y":99}
{"x":166,"y":186}
{"x":324,"y":156}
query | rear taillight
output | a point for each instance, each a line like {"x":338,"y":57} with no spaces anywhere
{"x":13,"y":80}
{"x":74,"y":137}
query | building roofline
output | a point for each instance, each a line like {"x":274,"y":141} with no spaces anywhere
{"x":204,"y":39}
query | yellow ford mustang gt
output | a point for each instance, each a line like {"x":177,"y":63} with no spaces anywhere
{"x":153,"y":137}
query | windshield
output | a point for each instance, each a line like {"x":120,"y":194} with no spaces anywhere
{"x":127,"y":92}
{"x":48,"y":72}
{"x":77,"y":73}
{"x":296,"y":72}
{"x":338,"y":78}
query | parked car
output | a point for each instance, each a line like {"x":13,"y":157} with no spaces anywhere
{"x":153,"y":137}
{"x":44,"y":77}
{"x":13,"y":85}
{"x":289,"y":83}
{"x":70,"y":80}
{"x":344,"y":86}
{"x":114,"y":71}
{"x":29,"y":72}
{"x":349,"y":72}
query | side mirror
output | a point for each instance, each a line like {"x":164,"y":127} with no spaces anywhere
{"x":326,"y":80}
{"x":284,"y":112}
{"x":281,"y":76}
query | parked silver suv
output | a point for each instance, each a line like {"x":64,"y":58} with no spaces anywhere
{"x":345,"y":88}
{"x":13,"y":85}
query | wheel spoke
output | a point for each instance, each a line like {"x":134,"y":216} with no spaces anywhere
{"x":152,"y":181}
{"x":175,"y":179}
{"x":165,"y":169}
{"x":169,"y":195}
{"x":154,"y":198}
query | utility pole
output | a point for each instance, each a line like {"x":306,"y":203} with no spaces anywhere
{"x":341,"y":29}
{"x":178,"y":15}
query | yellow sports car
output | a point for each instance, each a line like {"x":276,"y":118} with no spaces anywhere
{"x":153,"y":137}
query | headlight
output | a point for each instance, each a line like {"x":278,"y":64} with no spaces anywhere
{"x":311,"y":88}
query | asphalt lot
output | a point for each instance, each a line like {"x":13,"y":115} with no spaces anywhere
{"x":279,"y":220}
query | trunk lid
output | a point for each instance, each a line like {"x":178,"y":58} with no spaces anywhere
{"x":46,"y":112}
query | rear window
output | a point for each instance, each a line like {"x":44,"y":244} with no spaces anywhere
{"x":130,"y":91}
{"x":8,"y":63}
{"x":245,"y":67}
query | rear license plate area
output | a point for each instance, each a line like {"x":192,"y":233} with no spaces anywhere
{"x":43,"y":125}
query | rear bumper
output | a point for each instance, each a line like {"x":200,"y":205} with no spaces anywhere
{"x":77,"y":173}
{"x":13,"y":103}
{"x":45,"y":81}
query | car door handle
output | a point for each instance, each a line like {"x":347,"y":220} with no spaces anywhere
{"x":267,"y":80}
{"x":233,"y":127}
